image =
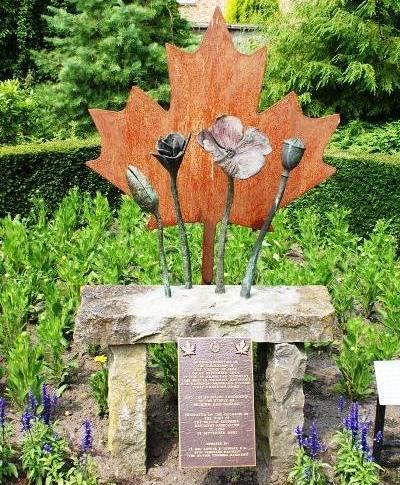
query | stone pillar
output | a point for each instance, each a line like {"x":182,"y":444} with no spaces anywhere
{"x":285,"y":406}
{"x":127,"y":408}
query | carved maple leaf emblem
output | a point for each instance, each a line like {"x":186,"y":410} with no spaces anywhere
{"x":242,"y":348}
{"x":213,"y":81}
{"x":188,"y":349}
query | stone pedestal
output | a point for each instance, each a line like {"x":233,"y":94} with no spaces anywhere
{"x":125,"y":318}
{"x":284,"y":399}
{"x":127,"y":408}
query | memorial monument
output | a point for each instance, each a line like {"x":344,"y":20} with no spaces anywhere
{"x":211,"y":158}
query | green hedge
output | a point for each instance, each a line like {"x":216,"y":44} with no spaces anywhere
{"x":368,"y":185}
{"x":47,"y":170}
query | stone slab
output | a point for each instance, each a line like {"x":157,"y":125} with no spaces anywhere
{"x":120,"y":315}
{"x":127,"y":409}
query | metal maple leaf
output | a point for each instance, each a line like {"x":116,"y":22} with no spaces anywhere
{"x":188,"y":349}
{"x":215,"y":80}
{"x":242,"y":348}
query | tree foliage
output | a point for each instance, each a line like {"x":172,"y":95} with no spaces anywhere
{"x":105,"y":47}
{"x":22,"y":30}
{"x":250,"y":11}
{"x":339,"y":55}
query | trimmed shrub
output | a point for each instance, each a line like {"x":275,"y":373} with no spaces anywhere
{"x":366,"y":184}
{"x":47,"y":170}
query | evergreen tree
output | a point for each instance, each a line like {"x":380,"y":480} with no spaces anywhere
{"x":339,"y":55}
{"x":105,"y":47}
{"x":22,"y":30}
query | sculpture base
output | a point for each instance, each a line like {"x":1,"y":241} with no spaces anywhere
{"x":124,"y":318}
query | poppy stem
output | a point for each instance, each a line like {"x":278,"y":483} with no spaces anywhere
{"x":251,"y":266}
{"x":161,"y":250}
{"x":187,"y":267}
{"x":220,"y":286}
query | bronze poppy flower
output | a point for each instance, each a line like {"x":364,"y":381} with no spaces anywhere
{"x":239,"y":151}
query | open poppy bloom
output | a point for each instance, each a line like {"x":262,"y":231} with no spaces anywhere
{"x":239,"y":151}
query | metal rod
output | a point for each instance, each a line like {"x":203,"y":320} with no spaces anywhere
{"x":163,"y":259}
{"x":187,"y":267}
{"x":379,"y":428}
{"x":251,"y":266}
{"x":219,"y":280}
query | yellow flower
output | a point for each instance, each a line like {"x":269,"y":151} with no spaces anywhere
{"x":101,"y":359}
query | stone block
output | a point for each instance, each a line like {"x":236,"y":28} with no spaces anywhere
{"x":120,"y":315}
{"x":127,"y":409}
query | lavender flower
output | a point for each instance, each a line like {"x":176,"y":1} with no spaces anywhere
{"x":49,"y":402}
{"x":26,"y":421}
{"x":32,"y":403}
{"x":87,"y":440}
{"x":364,"y":429}
{"x":352,"y":420}
{"x":313,"y":443}
{"x":298,"y":432}
{"x":342,"y":404}
{"x":378,"y":437}
{"x":2,"y":412}
{"x":47,"y":449}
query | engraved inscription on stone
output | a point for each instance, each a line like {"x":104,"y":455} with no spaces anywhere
{"x":216,"y":403}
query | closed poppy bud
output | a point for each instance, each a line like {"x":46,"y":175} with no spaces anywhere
{"x":170,"y":151}
{"x":141,"y":189}
{"x":292,"y":153}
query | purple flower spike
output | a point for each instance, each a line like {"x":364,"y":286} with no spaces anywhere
{"x":32,"y":403}
{"x":47,"y":449}
{"x":49,"y":402}
{"x":364,"y":430}
{"x":342,"y":404}
{"x":352,"y":420}
{"x":298,"y":432}
{"x":26,"y":421}
{"x":87,"y":440}
{"x":2,"y":412}
{"x":313,"y":443}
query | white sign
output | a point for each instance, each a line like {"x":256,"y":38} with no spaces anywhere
{"x":388,"y":381}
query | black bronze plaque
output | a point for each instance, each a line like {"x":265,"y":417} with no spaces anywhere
{"x":216,"y":403}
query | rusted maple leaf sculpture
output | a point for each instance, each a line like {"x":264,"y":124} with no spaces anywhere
{"x":213,"y":81}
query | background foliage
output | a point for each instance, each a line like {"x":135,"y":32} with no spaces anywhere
{"x":250,"y":11}
{"x":23,"y":30}
{"x":339,"y":56}
{"x":102,"y":49}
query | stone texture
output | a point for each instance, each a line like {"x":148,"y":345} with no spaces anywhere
{"x":200,"y":10}
{"x":285,"y":406}
{"x":120,"y":315}
{"x":127,"y":409}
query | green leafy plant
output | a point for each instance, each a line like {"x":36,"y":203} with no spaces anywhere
{"x":353,"y":460}
{"x":45,"y":455}
{"x":24,"y":370}
{"x":8,"y":468}
{"x":99,"y":385}
{"x":355,"y":359}
{"x":165,"y":358}
{"x":308,"y":468}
